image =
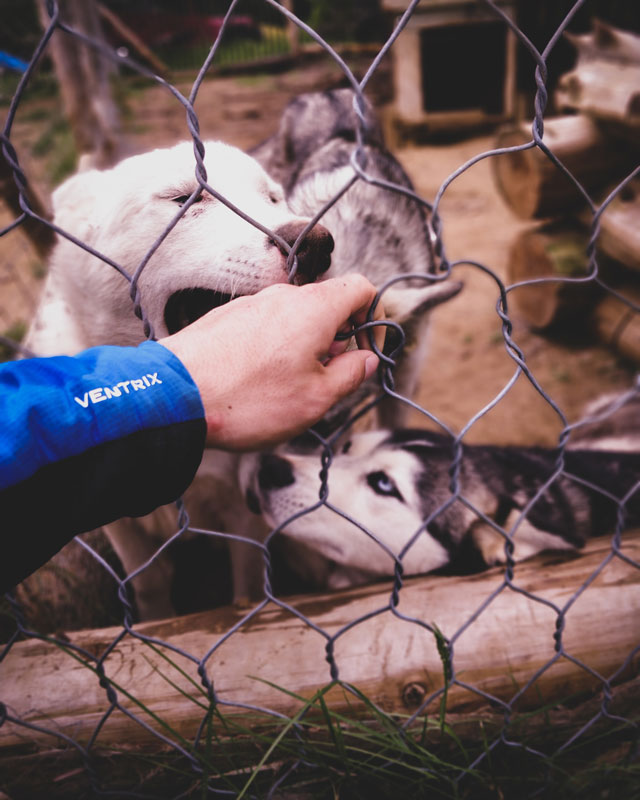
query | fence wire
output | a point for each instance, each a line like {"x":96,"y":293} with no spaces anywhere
{"x":428,"y":703}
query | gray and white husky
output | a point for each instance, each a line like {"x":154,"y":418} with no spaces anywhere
{"x":393,"y":498}
{"x":378,"y":231}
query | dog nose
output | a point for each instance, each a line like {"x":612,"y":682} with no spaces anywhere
{"x":275,"y":472}
{"x":313,"y":252}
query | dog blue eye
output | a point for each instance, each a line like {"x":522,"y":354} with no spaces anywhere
{"x":383,"y":485}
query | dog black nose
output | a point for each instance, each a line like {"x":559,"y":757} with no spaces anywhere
{"x":313,"y":252}
{"x":275,"y":472}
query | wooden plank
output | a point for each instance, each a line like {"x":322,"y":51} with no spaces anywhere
{"x":396,"y":663}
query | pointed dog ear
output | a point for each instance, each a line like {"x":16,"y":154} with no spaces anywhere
{"x":402,"y":304}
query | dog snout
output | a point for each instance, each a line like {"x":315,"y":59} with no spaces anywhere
{"x":275,"y":472}
{"x":313,"y":252}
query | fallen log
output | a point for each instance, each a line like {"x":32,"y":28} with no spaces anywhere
{"x":499,"y":648}
{"x":532,"y":185}
{"x":557,"y":250}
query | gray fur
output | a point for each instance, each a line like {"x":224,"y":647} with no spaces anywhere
{"x":378,"y":232}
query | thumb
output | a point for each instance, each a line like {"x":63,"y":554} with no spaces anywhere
{"x":347,"y":371}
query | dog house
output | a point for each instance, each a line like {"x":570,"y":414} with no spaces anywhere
{"x":454,"y":66}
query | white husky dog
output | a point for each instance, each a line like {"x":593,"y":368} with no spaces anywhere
{"x":211,"y":255}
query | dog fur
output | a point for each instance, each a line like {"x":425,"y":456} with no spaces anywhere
{"x":394,"y":500}
{"x":121,"y":212}
{"x":211,"y":255}
{"x":379,"y":232}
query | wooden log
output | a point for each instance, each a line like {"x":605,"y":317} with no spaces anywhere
{"x":603,"y":89}
{"x":618,"y":325}
{"x":605,"y":42}
{"x":556,"y":250}
{"x":620,"y":226}
{"x":395,"y":662}
{"x":533,"y":187}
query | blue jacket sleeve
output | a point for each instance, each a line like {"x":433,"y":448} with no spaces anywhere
{"x":86,"y":439}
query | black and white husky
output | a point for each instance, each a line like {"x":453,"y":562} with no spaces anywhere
{"x":395,"y":497}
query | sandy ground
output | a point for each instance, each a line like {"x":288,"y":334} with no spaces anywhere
{"x":468,"y":364}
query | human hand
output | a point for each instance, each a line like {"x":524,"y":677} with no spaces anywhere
{"x":268,"y":366}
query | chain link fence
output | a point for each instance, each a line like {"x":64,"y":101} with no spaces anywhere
{"x":508,"y":683}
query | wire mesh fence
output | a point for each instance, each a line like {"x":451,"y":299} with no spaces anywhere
{"x":502,"y":683}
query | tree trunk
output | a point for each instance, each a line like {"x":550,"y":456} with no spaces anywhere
{"x":83,"y":76}
{"x":534,"y":187}
{"x":556,"y":250}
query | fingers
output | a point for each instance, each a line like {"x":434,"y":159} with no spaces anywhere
{"x":344,"y":373}
{"x":348,"y":300}
{"x":379,"y":331}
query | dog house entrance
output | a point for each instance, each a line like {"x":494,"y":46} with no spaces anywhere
{"x":463,"y":67}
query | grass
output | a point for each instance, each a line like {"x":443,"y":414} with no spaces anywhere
{"x":360,"y":751}
{"x":273,"y":43}
{"x":56,"y":145}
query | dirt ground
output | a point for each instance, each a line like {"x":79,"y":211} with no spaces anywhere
{"x":468,"y":364}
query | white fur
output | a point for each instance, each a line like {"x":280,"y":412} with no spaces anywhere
{"x":386,"y":525}
{"x":121,"y":212}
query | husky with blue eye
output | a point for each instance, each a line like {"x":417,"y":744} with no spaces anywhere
{"x":390,"y":497}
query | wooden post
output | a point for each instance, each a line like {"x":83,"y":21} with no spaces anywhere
{"x":533,"y":187}
{"x":396,"y":663}
{"x":83,"y":76}
{"x":293,"y":31}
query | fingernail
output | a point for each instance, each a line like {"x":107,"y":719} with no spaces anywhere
{"x":370,"y":365}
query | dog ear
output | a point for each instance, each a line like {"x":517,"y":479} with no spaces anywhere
{"x":405,"y":304}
